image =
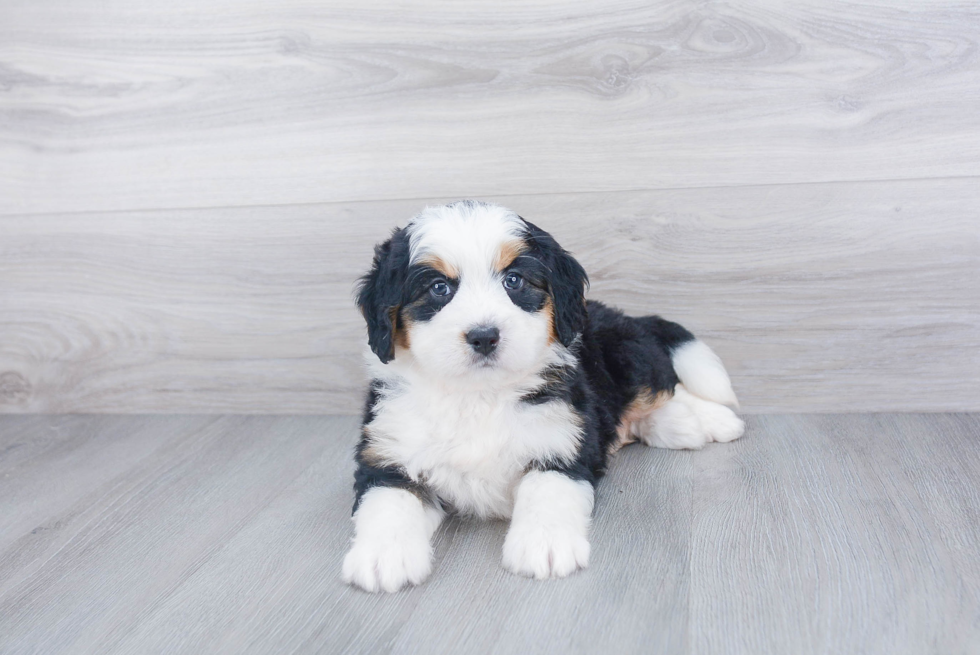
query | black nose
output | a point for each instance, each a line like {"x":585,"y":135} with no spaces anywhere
{"x":483,"y":339}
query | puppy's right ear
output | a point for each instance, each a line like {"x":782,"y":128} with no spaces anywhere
{"x":379,"y":293}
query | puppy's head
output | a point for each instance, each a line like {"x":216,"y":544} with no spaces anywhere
{"x":472,"y":290}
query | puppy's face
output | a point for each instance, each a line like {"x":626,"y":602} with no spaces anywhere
{"x":471,"y":291}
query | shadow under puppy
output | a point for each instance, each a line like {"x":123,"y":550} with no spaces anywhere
{"x":497,"y":390}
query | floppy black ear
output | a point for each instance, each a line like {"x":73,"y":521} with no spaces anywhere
{"x":568,"y":282}
{"x":379,"y":293}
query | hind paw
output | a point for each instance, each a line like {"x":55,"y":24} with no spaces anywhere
{"x":689,"y":422}
{"x":720,"y":423}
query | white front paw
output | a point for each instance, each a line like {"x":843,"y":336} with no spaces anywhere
{"x":541,"y":552}
{"x":388,"y":564}
{"x":391,"y":542}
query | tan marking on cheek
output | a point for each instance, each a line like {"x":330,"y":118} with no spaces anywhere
{"x":440,"y":265}
{"x":549,"y":311}
{"x":634,"y":414}
{"x":400,"y":328}
{"x":507,"y":253}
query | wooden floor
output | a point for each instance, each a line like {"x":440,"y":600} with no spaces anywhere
{"x":224,"y":534}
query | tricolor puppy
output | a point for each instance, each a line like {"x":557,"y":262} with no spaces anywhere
{"x":498,"y":391}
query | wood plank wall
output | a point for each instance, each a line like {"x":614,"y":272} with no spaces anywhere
{"x":188,"y":190}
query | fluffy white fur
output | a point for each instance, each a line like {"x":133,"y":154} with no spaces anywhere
{"x":702,"y":372}
{"x":471,"y":446}
{"x":549,"y":532}
{"x":391,"y":547}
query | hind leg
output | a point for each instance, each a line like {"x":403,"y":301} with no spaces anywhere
{"x":688,"y":422}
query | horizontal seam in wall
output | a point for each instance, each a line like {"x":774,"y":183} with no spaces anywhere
{"x":498,"y":195}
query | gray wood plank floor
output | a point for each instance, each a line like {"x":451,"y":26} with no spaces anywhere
{"x":223,"y":534}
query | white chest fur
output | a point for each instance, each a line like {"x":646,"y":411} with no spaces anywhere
{"x":471,"y":448}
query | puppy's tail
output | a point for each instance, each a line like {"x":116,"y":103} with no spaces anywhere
{"x":702,"y":373}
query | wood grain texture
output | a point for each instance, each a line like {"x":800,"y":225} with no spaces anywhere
{"x":823,"y":297}
{"x":147,"y":105}
{"x":812,"y":534}
{"x":828,"y":519}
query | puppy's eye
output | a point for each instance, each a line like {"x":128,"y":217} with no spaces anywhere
{"x":440,"y":288}
{"x":513,"y":282}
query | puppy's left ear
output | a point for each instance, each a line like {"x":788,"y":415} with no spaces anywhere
{"x":379,"y":293}
{"x":567,"y":281}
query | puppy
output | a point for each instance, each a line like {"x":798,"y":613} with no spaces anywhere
{"x":498,"y":391}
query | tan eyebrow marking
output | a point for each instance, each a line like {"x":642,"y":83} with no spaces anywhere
{"x":440,"y":265}
{"x":508,"y":252}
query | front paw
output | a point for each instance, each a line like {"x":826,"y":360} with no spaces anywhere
{"x":540,"y":552}
{"x":389,"y":564}
{"x":391,"y":543}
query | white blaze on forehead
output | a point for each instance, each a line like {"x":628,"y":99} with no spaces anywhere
{"x":467,"y":236}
